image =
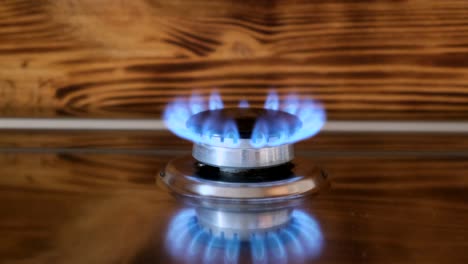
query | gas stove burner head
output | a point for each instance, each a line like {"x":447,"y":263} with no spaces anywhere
{"x":234,"y":134}
{"x":246,"y":124}
{"x":244,"y":202}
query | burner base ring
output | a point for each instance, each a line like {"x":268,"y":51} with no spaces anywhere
{"x":242,"y":157}
{"x":180,"y":177}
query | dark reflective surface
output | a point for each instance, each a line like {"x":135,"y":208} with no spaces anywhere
{"x":106,"y":208}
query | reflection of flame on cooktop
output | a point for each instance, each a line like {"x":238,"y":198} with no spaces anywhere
{"x":297,"y":240}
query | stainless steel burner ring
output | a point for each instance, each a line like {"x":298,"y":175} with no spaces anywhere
{"x":179,"y":177}
{"x":243,"y":156}
{"x":242,"y":224}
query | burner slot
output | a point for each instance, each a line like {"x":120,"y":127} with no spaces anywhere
{"x":242,"y":175}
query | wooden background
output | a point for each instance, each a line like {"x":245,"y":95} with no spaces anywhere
{"x":116,"y":58}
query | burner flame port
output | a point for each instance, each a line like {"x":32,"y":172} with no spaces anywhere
{"x":278,"y":123}
{"x":247,"y":128}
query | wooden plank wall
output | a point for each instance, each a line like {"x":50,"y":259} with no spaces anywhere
{"x":116,"y":58}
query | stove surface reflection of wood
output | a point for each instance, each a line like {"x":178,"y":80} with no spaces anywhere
{"x":399,"y":204}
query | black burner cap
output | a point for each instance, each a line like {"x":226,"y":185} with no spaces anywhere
{"x":216,"y":121}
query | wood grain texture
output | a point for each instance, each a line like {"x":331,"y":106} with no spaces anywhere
{"x":164,"y":142}
{"x":106,"y":208}
{"x":363,"y":60}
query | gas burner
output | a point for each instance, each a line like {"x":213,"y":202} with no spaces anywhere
{"x":241,"y":177}
{"x":234,"y":134}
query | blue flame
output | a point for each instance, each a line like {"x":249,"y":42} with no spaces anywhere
{"x":210,"y":252}
{"x":257,"y":248}
{"x":260,"y":134}
{"x":230,"y":132}
{"x":196,"y":104}
{"x":232,"y":250}
{"x":309,"y":112}
{"x":216,"y":102}
{"x":291,"y":104}
{"x":272,"y":102}
{"x":298,"y":241}
{"x":243,"y":104}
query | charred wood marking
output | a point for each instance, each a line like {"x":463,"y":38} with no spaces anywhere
{"x":380,"y":60}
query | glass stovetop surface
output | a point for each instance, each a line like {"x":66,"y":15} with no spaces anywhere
{"x":105,"y":207}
